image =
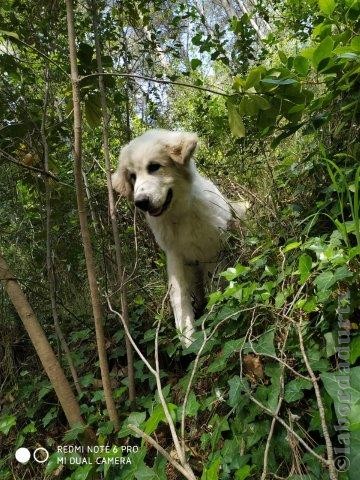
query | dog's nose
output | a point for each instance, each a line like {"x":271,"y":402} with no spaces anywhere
{"x":143,"y":203}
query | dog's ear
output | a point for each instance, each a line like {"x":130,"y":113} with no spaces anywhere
{"x":183,"y":148}
{"x":120,"y":179}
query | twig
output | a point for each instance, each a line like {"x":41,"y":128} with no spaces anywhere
{"x":161,"y":450}
{"x":132,"y":76}
{"x":289,"y":429}
{"x":156,"y":373}
{"x":277,"y":410}
{"x":206,"y":338}
{"x":329,"y":447}
{"x":28,"y":167}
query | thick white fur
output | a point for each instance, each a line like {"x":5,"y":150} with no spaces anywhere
{"x":190,"y":229}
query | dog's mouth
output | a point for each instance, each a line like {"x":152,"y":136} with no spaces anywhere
{"x":159,"y":211}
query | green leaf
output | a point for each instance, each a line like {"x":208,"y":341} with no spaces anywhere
{"x":344,"y":388}
{"x":6,"y":423}
{"x":294,"y":389}
{"x":237,"y":126}
{"x":305,"y":264}
{"x":330,"y":344}
{"x":192,"y":405}
{"x":301,"y":65}
{"x":261,"y":102}
{"x":211,"y":472}
{"x":237,"y":385}
{"x":235,"y":272}
{"x":53,"y":462}
{"x":155,"y":418}
{"x":93,"y":110}
{"x":354,"y":349}
{"x":291,"y":246}
{"x":243,"y":472}
{"x":253,"y":77}
{"x":327,"y":6}
{"x":264,"y":345}
{"x":248,"y":106}
{"x":74,"y":433}
{"x":135,"y":418}
{"x":82,"y":473}
{"x":195,"y":62}
{"x":143,"y":472}
{"x":279,"y":81}
{"x":6,"y":33}
{"x":322,"y":51}
{"x":324,"y":280}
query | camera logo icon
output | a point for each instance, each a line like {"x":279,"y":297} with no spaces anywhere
{"x":40,"y":455}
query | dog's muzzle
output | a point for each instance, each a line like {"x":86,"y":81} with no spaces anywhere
{"x":144,"y":204}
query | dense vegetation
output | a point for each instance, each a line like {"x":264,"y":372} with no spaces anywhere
{"x":272,"y":382}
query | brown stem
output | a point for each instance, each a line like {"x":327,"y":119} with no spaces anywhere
{"x":43,"y":348}
{"x":329,"y":448}
{"x":120,"y":275}
{"x":85,"y":234}
{"x":49,"y":263}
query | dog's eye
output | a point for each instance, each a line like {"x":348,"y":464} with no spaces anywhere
{"x":132,"y":177}
{"x":153,"y":167}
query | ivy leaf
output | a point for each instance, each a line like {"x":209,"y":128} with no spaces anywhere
{"x":237,"y":126}
{"x":327,"y":6}
{"x":342,"y":386}
{"x":354,"y":349}
{"x":232,"y":273}
{"x":6,"y":423}
{"x":243,"y":472}
{"x":294,"y":389}
{"x":236,"y":385}
{"x":82,"y":473}
{"x":264,"y":345}
{"x":135,"y":418}
{"x":192,"y":405}
{"x":144,"y":472}
{"x":211,"y":472}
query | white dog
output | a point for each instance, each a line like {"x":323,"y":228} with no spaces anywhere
{"x":186,"y":213}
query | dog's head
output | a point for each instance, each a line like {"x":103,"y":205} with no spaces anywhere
{"x":154,"y":167}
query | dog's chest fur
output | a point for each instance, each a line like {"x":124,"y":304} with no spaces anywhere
{"x":194,"y":229}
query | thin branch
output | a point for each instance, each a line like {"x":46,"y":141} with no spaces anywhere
{"x":161,"y":450}
{"x":289,"y":429}
{"x":156,"y":372}
{"x":42,"y":55}
{"x":132,"y":76}
{"x":28,"y":167}
{"x":329,"y":447}
{"x":277,"y":410}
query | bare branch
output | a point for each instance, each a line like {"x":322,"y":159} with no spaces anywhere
{"x":329,"y":447}
{"x":161,"y":450}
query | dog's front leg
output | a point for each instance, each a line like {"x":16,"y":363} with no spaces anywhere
{"x":180,"y":283}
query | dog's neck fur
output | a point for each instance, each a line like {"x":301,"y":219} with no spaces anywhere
{"x":193,"y":226}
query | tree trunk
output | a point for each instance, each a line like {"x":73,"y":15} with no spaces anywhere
{"x":49,"y":263}
{"x":120,"y":273}
{"x":43,"y":348}
{"x":80,"y":197}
